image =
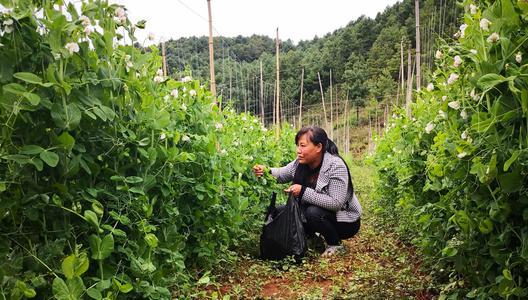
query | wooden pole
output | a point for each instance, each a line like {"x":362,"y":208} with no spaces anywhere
{"x":277,"y":95}
{"x":301,"y":100}
{"x":417,"y":17}
{"x":322,"y":98}
{"x":409,"y":83}
{"x":331,"y":109}
{"x":347,"y":126}
{"x":261,"y":94}
{"x":400,"y":75}
{"x":164,"y":57}
{"x":211,"y":52}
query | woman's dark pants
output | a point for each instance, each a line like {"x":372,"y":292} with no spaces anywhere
{"x":324,"y":221}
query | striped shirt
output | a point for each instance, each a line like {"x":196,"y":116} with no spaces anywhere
{"x":331,"y":191}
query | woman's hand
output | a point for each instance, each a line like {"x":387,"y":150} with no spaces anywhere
{"x":259,"y":170}
{"x":294,"y":189}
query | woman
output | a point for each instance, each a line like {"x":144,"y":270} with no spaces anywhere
{"x":321,"y":181}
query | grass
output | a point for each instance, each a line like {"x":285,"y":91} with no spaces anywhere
{"x":377,"y":265}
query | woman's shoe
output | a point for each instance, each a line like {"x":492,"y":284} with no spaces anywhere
{"x":332,"y":250}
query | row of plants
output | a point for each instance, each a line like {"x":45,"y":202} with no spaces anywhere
{"x":452,"y":173}
{"x":115,"y":180}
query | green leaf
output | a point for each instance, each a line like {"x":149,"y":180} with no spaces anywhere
{"x":28,"y":77}
{"x":152,"y":240}
{"x":2,"y":186}
{"x":123,"y":287}
{"x":507,"y":274}
{"x":101,"y":249}
{"x":66,"y":141}
{"x":486,"y":226}
{"x":31,"y":149}
{"x":14,"y":88}
{"x":91,"y":217}
{"x":94,"y":293}
{"x":50,"y":158}
{"x":137,"y":190}
{"x":75,"y":265}
{"x":204,"y":280}
{"x":133,"y":179}
{"x":34,"y":99}
{"x":449,"y":251}
{"x":488,"y":81}
{"x":98,"y":207}
{"x":71,"y":291}
{"x":512,"y":159}
{"x":510,"y":182}
{"x":66,"y":118}
{"x":19,"y":158}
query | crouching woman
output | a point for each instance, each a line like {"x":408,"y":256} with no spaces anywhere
{"x":321,"y":182}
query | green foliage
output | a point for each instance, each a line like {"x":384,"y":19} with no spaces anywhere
{"x":453,"y":176}
{"x":113,"y":178}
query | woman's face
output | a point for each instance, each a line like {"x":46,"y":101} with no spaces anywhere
{"x":308,"y":152}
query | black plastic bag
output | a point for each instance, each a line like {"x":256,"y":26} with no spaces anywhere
{"x":283,"y":232}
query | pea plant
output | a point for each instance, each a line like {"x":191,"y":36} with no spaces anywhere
{"x":453,"y":172}
{"x":115,"y":180}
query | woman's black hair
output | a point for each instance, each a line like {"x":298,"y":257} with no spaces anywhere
{"x":317,"y":135}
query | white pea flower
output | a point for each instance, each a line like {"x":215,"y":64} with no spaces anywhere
{"x":250,"y":158}
{"x":162,"y":136}
{"x":454,"y":104}
{"x":8,"y":29}
{"x":120,"y":12}
{"x":159,"y":72}
{"x":493,"y":38}
{"x":444,"y":98}
{"x":8,"y":22}
{"x":464,"y":114}
{"x":72,"y":47}
{"x":166,"y":98}
{"x":184,"y":107}
{"x":452,"y":78}
{"x":128,"y":63}
{"x":174,"y":93}
{"x":472,"y":9}
{"x":457,"y":61}
{"x":185,"y":138}
{"x":457,"y":34}
{"x":85,"y":21}
{"x":223,"y":152}
{"x":430,"y":126}
{"x":413,"y":119}
{"x":151,"y":36}
{"x":439,"y":54}
{"x":184,"y":89}
{"x":192,"y":93}
{"x":462,"y":155}
{"x":464,"y":135}
{"x":518,"y":57}
{"x":255,"y":121}
{"x":219,"y":126}
{"x":474,"y":95}
{"x":236,"y":143}
{"x":186,"y":79}
{"x":442,"y":114}
{"x":88,"y":30}
{"x":463,"y":30}
{"x":484,"y":24}
{"x":158,"y":79}
{"x":264,"y":129}
{"x":430,"y":87}
{"x":473,"y":51}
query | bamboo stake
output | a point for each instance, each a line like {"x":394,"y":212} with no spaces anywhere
{"x":301,"y":100}
{"x":409,"y":83}
{"x":331,"y":109}
{"x":418,"y":67}
{"x":322,"y":98}
{"x":164,"y":57}
{"x":211,"y":52}
{"x":277,"y":105}
{"x":261,"y":94}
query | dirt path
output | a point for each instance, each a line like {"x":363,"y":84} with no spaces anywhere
{"x":376,"y":266}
